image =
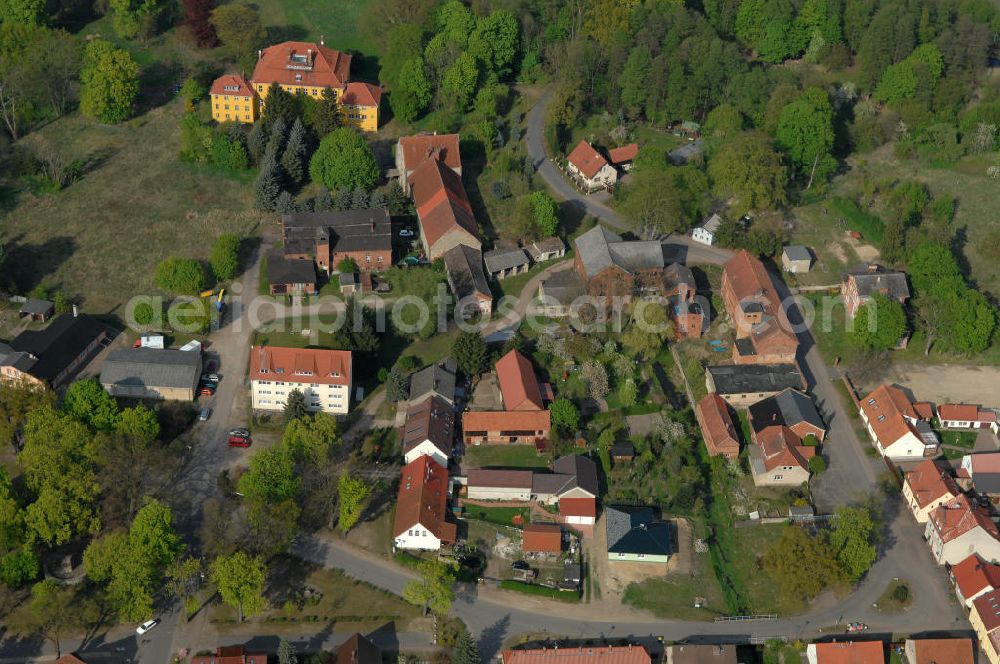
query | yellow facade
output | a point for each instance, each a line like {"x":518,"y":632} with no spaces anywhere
{"x":234,"y":108}
{"x":364,"y":118}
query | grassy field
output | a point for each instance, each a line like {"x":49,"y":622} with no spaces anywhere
{"x":673,"y":596}
{"x":963,"y":439}
{"x":350,"y":604}
{"x":513,"y":456}
{"x":100,"y":238}
{"x":334,"y":21}
{"x":501,"y":516}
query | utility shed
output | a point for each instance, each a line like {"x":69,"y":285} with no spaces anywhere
{"x":152,"y":373}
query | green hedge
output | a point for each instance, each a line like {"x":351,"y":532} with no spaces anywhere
{"x":543,"y":591}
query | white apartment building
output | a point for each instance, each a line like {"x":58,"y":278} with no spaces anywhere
{"x":323,"y":376}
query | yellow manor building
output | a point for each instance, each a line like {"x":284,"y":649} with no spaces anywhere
{"x":298,"y":67}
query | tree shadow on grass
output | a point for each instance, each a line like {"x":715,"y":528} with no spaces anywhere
{"x":156,"y":85}
{"x":26,"y":265}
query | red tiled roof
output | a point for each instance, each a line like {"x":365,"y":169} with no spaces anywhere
{"x":578,"y":507}
{"x":587,"y":159}
{"x":300,"y":365}
{"x":362,"y":94}
{"x":717,"y":427}
{"x":939,"y":651}
{"x":416,"y":149}
{"x":506,"y":420}
{"x":423,"y":499}
{"x":582,"y":655}
{"x":958,"y":411}
{"x":985,"y":462}
{"x":988,"y":608}
{"x":974,"y":574}
{"x":781,"y":447}
{"x":850,"y":652}
{"x":542,"y":538}
{"x":928,"y":483}
{"x":233,"y":85}
{"x":356,"y":650}
{"x":322,"y":67}
{"x":69,"y":659}
{"x":503,"y":479}
{"x":892,"y":403}
{"x":441,"y":202}
{"x":518,"y":384}
{"x":957,"y":517}
{"x":624,"y":153}
{"x":925,"y":410}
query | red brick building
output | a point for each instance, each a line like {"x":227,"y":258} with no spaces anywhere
{"x":763,"y":333}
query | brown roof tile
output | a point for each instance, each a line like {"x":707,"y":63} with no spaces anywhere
{"x":518,"y":384}
{"x":542,"y":538}
{"x":444,"y":147}
{"x":362,"y":94}
{"x":233,"y":85}
{"x":582,"y":655}
{"x":974,"y":574}
{"x":506,"y":420}
{"x":423,"y":499}
{"x":929,"y":482}
{"x":887,"y":408}
{"x":717,"y":426}
{"x":441,"y":202}
{"x":957,"y":517}
{"x":624,"y":153}
{"x":303,"y":64}
{"x":939,"y":651}
{"x":300,"y":365}
{"x":588,"y":160}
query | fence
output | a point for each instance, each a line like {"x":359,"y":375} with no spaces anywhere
{"x":762,"y":616}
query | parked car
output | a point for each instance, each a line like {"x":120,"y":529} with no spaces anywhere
{"x":240,"y":441}
{"x":406,"y":232}
{"x":204,"y":414}
{"x":210,"y":378}
{"x":520,"y":564}
{"x":239,"y":431}
{"x":146,"y":626}
{"x":206,"y":391}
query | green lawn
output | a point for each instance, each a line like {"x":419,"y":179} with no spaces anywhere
{"x":673,"y":596}
{"x":744,"y":420}
{"x":344,"y":601}
{"x":513,"y":456}
{"x":334,"y":21}
{"x":963,"y":439}
{"x":501,"y":516}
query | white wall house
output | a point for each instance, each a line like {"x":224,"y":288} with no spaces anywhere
{"x":958,"y":529}
{"x":705,"y":231}
{"x":427,"y":448}
{"x":421,"y":507}
{"x":894,"y":425}
{"x":322,"y":376}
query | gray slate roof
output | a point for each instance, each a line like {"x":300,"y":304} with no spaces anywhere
{"x":568,"y":473}
{"x":797,"y":252}
{"x":599,"y":248}
{"x":633,"y":530}
{"x":712,"y":223}
{"x":37,"y":307}
{"x":887,"y":282}
{"x":681,"y":155}
{"x":789,"y":408}
{"x":987,"y":483}
{"x":564,"y":286}
{"x":677,"y":274}
{"x":504,"y":259}
{"x":464,"y":266}
{"x":544,"y":246}
{"x":58,"y":345}
{"x":281,"y":270}
{"x":349,"y":230}
{"x":743,"y":378}
{"x":435,"y":380}
{"x":152,"y":367}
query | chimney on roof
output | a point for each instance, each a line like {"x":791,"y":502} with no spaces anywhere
{"x":260,"y":53}
{"x":321,"y":42}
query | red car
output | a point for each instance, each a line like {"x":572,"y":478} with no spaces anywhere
{"x":240,"y":441}
{"x":206,"y":392}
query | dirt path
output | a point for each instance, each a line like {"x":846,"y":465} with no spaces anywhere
{"x":946,"y":383}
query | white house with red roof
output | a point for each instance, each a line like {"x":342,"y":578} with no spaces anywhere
{"x":422,"y":506}
{"x":846,"y":652}
{"x":323,"y":376}
{"x":622,"y":157}
{"x":974,"y":577}
{"x":985,"y":621}
{"x":590,"y":169}
{"x":966,"y":416}
{"x":926,"y":487}
{"x":957,"y":529}
{"x":896,"y":425}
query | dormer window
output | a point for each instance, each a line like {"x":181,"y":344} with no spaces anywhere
{"x":303,"y":373}
{"x":300,"y":58}
{"x":335,"y":374}
{"x":298,"y":78}
{"x":263,"y":370}
{"x":279,"y":370}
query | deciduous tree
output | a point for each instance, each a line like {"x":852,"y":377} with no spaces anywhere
{"x":411,"y":93}
{"x":852,"y":538}
{"x":239,"y":27}
{"x":432,"y":591}
{"x":109,"y":82}
{"x":565,"y":415}
{"x":184,"y":276}
{"x":879,"y":324}
{"x":240,"y":579}
{"x":344,"y":159}
{"x":751,"y":171}
{"x":88,"y":402}
{"x":805,"y":133}
{"x":225,"y":256}
{"x":352,"y":494}
{"x":270,"y":476}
